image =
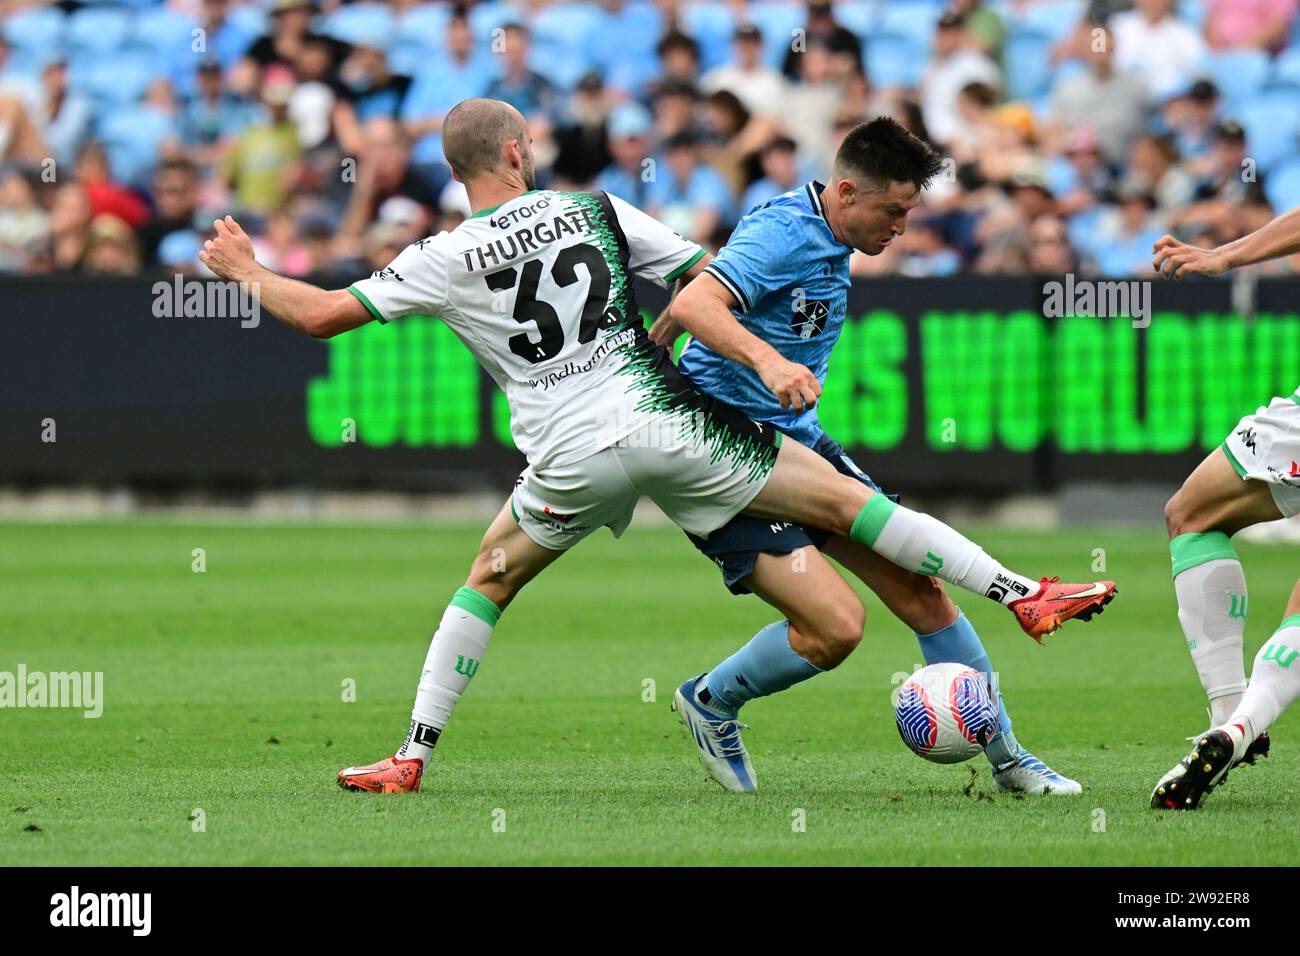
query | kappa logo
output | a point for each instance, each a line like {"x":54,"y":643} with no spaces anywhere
{"x":809,"y":317}
{"x":1247,"y":436}
{"x":387,"y":273}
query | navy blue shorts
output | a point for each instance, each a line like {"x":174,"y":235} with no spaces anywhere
{"x":735,"y":546}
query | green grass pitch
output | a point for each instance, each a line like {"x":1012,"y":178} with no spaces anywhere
{"x":225,"y":694}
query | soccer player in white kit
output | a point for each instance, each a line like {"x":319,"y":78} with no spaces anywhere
{"x":1253,"y":476}
{"x":538,"y":285}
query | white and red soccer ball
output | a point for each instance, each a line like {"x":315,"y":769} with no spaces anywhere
{"x":946,"y":712}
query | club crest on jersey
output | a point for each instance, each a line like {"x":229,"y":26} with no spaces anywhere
{"x":809,"y":317}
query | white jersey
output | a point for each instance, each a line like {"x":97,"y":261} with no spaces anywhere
{"x":540,"y":290}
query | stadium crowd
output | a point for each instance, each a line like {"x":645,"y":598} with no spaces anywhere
{"x":1075,"y":133}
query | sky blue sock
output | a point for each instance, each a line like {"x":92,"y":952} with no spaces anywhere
{"x":765,"y":665}
{"x":958,"y":642}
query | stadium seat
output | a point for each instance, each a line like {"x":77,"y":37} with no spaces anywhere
{"x":92,"y":31}
{"x":894,"y":60}
{"x":1026,"y":68}
{"x":564,"y":40}
{"x":111,"y":82}
{"x":360,"y":22}
{"x":161,"y":31}
{"x":1282,"y":186}
{"x":778,"y":21}
{"x":36,"y":34}
{"x":858,"y":16}
{"x":486,"y":17}
{"x":916,"y":21}
{"x":132,"y":138}
{"x":1238,"y":73}
{"x":712,"y":26}
{"x":1286,"y":68}
{"x":1192,"y":12}
{"x":1271,"y":126}
{"x":1056,"y":18}
{"x":423,"y":25}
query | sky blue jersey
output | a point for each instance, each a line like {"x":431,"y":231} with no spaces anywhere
{"x":790,"y":276}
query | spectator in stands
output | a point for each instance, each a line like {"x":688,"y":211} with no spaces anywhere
{"x":679,"y":58}
{"x":830,"y":35}
{"x":983,"y":26}
{"x":1113,"y":104}
{"x":280,"y":249}
{"x":1257,"y":25}
{"x":1154,"y":161}
{"x":262,"y":167}
{"x":734,"y":138}
{"x":956,"y":63}
{"x":69,"y":217}
{"x":103,"y":194}
{"x":759,"y":87}
{"x":1191,"y":118}
{"x":1127,"y":232}
{"x":384,"y":171}
{"x":175,"y":206}
{"x":581,"y":139}
{"x":811,"y":106}
{"x":111,"y":247}
{"x":781,"y":173}
{"x":1050,"y":253}
{"x":1081,"y":178}
{"x":522,"y":87}
{"x":213,"y":118}
{"x":24,"y":225}
{"x":368,"y":86}
{"x":1153,"y":43}
{"x":65,"y":116}
{"x":688,"y":195}
{"x":290,"y":33}
{"x":923,"y":253}
{"x":628,"y":176}
{"x":458,"y":75}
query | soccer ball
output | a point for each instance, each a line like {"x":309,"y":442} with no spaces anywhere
{"x":946,"y":712}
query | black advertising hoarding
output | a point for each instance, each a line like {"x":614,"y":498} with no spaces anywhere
{"x":949,"y":385}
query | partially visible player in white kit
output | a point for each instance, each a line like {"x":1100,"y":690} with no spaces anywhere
{"x":1253,"y":477}
{"x":538,"y":285}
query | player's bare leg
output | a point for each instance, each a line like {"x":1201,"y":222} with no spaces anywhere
{"x":507,"y":560}
{"x":805,"y":488}
{"x":823,"y":623}
{"x":945,"y":634}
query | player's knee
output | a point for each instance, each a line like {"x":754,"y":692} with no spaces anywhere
{"x":1182,"y":516}
{"x":927,"y":607}
{"x":841,"y":632}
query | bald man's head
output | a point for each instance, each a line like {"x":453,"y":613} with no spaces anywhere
{"x":474,"y":138}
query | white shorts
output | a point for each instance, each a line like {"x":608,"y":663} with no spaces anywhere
{"x":1266,"y":446}
{"x":701,"y":465}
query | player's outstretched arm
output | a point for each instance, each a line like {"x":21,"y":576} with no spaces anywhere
{"x":317,"y":312}
{"x":1281,"y":237}
{"x":704,"y":310}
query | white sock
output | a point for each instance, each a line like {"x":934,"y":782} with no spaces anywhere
{"x":1274,"y":683}
{"x":1211,"y":590}
{"x":454,"y":655}
{"x":920,"y":542}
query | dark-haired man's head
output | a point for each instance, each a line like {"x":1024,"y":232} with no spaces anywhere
{"x":488,"y":138}
{"x":879,"y":172}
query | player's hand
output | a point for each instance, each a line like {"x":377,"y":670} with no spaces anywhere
{"x":230,"y":253}
{"x":665,"y":330}
{"x":794,"y":385}
{"x":1175,"y":259}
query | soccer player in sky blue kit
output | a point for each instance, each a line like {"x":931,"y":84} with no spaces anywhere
{"x":784,"y":277}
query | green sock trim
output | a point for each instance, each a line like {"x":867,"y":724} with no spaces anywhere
{"x":1190,"y":550}
{"x":1292,"y":621}
{"x":467,"y":599}
{"x":871,"y":520}
{"x":1232,"y":460}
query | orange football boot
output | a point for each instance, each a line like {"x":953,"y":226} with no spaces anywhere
{"x":390,"y":775}
{"x":1055,"y":603}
